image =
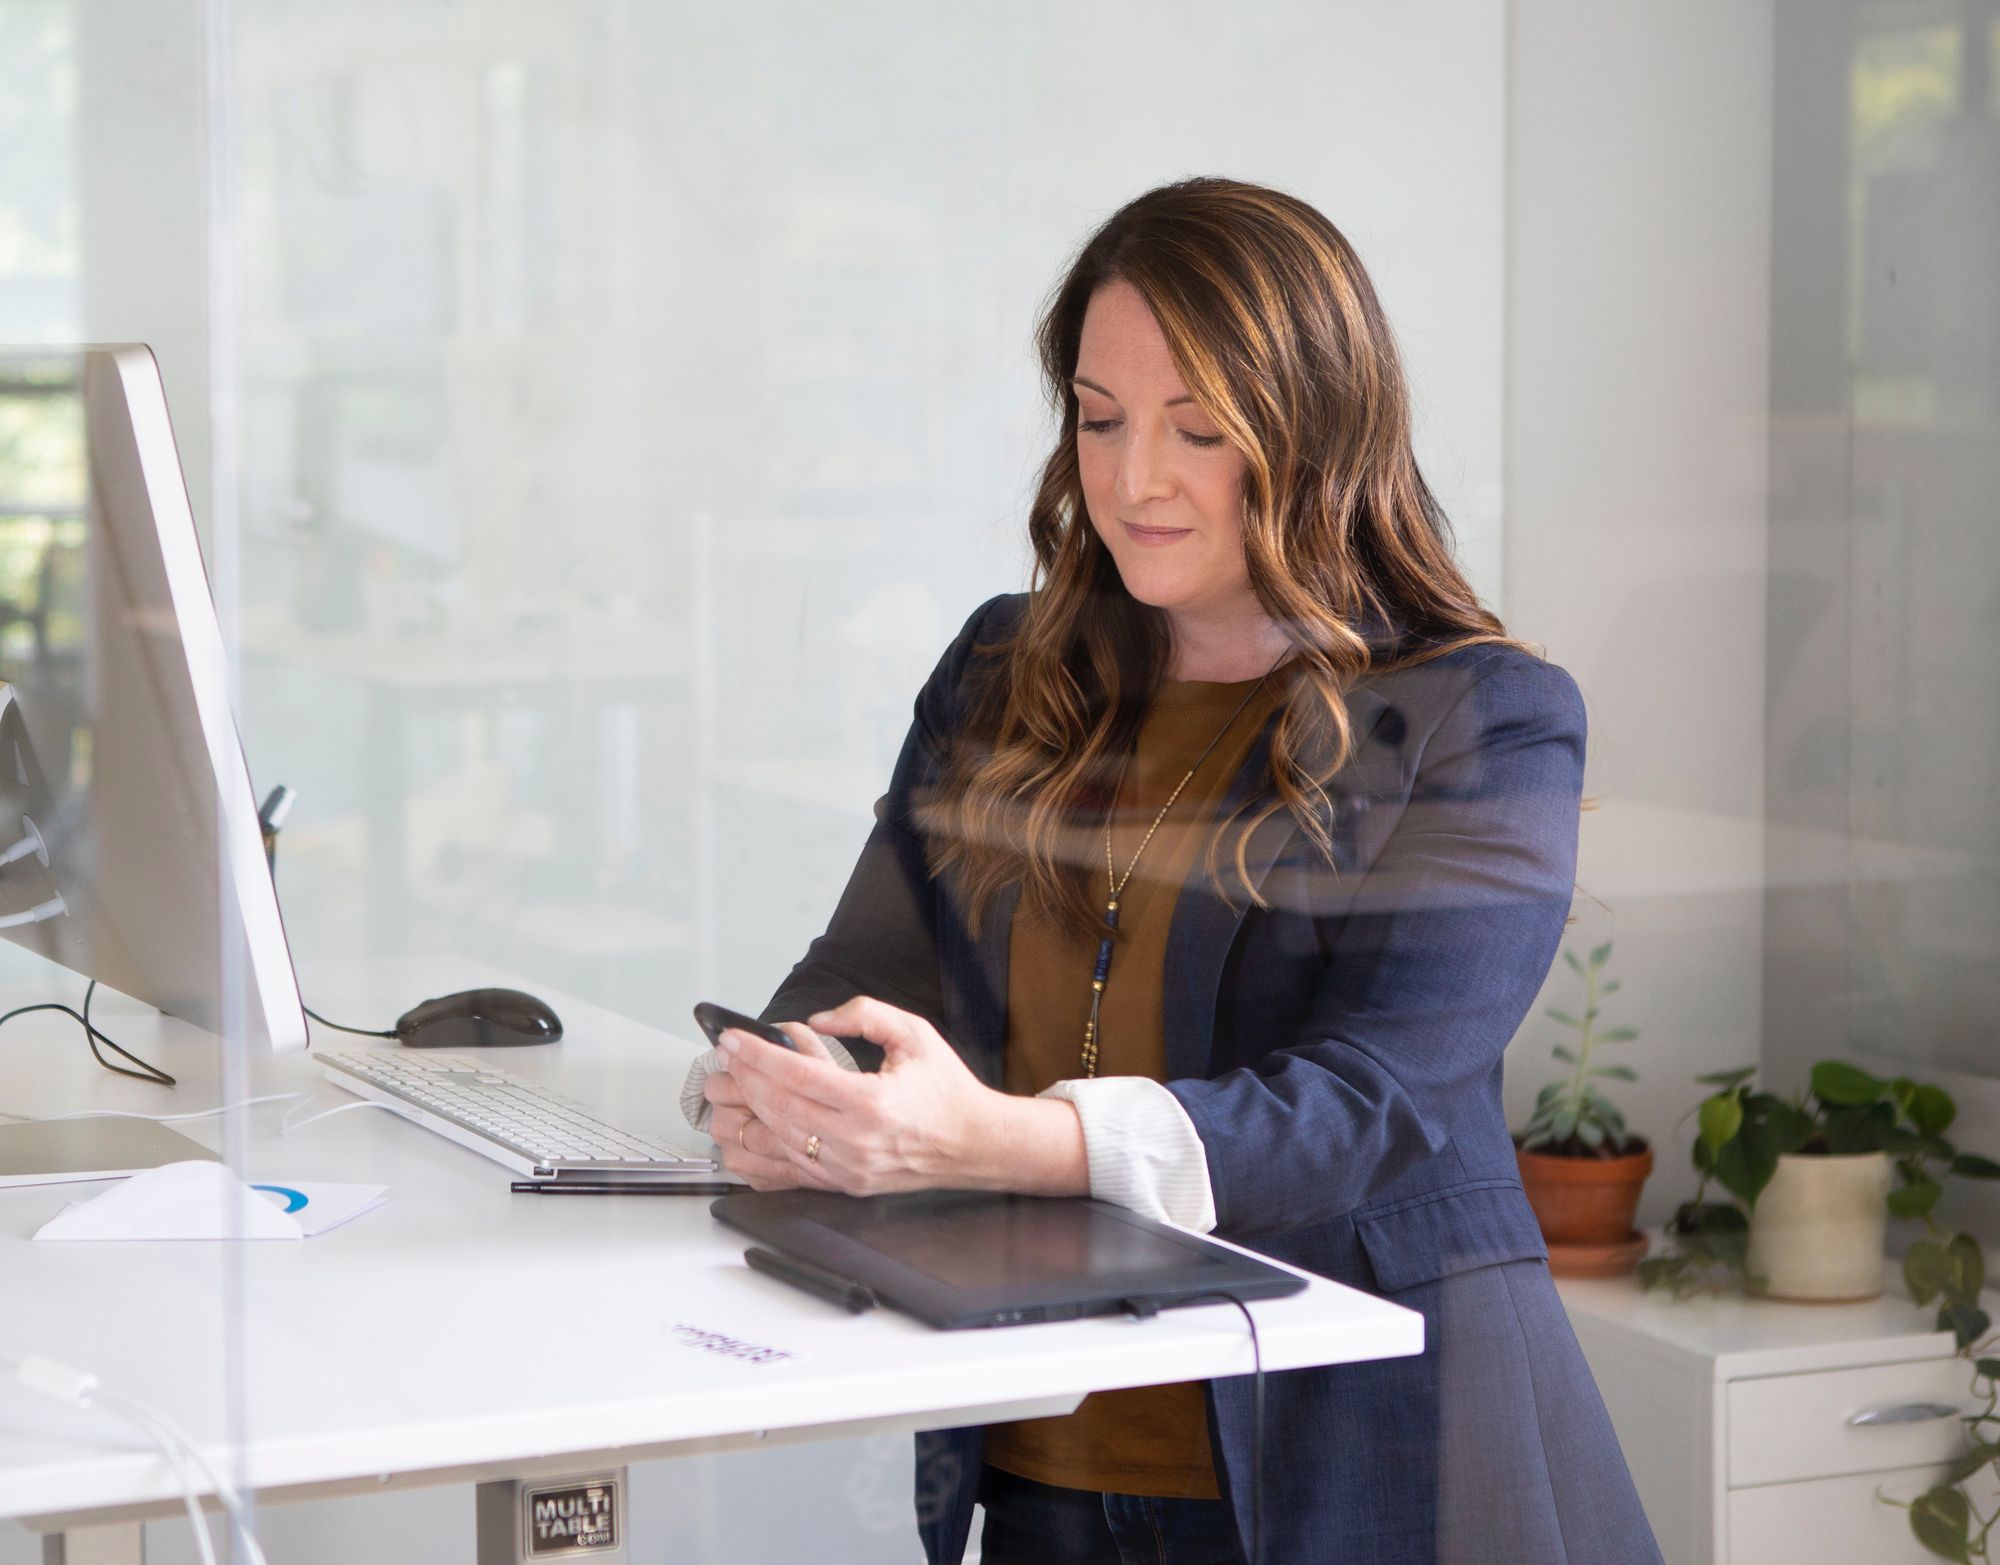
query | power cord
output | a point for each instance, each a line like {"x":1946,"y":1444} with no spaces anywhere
{"x":1146,"y":1309}
{"x":359,"y":1032}
{"x":145,"y":1072}
{"x":94,"y":1036}
{"x":81,"y":1389}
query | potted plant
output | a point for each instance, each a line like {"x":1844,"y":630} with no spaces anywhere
{"x":1581,"y":1167}
{"x":1748,"y":1140}
{"x":1814,"y":1181}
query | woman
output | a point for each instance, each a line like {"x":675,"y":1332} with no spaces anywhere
{"x":1213,"y":878}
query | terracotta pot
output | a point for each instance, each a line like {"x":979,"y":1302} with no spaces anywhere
{"x":1584,"y":1200}
{"x":1818,"y":1227}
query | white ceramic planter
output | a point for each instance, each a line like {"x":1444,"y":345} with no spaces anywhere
{"x":1818,"y":1228}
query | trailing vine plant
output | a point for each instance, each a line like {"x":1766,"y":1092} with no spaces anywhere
{"x":1742,"y":1134}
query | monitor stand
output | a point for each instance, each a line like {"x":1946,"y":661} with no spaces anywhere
{"x":71,"y":1151}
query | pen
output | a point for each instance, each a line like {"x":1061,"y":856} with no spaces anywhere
{"x":844,"y":1291}
{"x":620,"y":1187}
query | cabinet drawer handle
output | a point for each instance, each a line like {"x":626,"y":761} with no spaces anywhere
{"x":1902,"y":1413}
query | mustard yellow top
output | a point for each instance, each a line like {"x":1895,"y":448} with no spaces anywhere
{"x":1150,"y":1440}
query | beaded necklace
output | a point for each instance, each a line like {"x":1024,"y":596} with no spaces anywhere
{"x":1101,"y":975}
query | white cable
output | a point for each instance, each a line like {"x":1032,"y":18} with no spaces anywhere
{"x":30,"y":842}
{"x":139,"y":1413}
{"x":158,"y":1119}
{"x":287,"y":1125}
{"x":81,"y":1389}
{"x":40,"y":912}
{"x":190,"y":1492}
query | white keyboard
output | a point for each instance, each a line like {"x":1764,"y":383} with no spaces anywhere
{"x":500,"y":1116}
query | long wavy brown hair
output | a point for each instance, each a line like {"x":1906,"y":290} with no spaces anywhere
{"x":1278,"y":335}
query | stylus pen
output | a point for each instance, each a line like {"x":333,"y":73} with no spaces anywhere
{"x":620,"y":1187}
{"x":816,"y":1280}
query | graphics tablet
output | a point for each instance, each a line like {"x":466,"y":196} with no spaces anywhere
{"x":959,"y":1258}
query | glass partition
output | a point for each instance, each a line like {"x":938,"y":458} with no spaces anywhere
{"x":597,"y":418}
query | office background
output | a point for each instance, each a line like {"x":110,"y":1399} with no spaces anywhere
{"x":600,"y":413}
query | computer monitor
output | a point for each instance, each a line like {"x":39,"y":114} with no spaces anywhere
{"x":125,"y":800}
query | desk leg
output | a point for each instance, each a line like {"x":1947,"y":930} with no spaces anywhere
{"x":121,"y":1543}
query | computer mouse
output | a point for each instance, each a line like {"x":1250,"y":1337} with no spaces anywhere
{"x":477,"y":1019}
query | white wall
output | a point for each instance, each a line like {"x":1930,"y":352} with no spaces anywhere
{"x":1638,"y":261}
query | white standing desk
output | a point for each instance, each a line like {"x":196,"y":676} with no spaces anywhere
{"x":466,"y":1333}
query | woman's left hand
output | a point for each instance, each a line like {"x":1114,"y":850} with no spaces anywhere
{"x":923,"y":1120}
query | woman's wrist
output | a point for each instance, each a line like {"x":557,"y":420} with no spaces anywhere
{"x":1031,"y":1146}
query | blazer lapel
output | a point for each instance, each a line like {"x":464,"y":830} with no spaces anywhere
{"x":1205,"y":923}
{"x":1203,"y":929}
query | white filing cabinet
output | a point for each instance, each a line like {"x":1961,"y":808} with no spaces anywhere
{"x":1736,"y":1416}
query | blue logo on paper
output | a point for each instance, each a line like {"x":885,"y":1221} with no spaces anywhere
{"x":294,"y":1199}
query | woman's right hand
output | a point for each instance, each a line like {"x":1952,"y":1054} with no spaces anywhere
{"x":749,"y":1149}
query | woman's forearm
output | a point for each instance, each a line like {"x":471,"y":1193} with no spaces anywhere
{"x":1033,"y":1146}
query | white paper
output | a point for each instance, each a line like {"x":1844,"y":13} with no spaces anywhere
{"x":316,"y":1207}
{"x":204,"y":1200}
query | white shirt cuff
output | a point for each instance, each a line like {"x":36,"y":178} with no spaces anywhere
{"x":695,"y":1107}
{"x":1145,"y":1154}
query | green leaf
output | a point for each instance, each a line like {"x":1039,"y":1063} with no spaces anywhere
{"x":1926,"y":1271}
{"x":1549,"y":1093}
{"x":1604,"y":1111}
{"x":1570,"y":957}
{"x":1990,"y":1368}
{"x":1968,"y":1267}
{"x":1932,"y":1110}
{"x":1727,"y":1079}
{"x":1609,"y":986}
{"x":1618,"y":1035}
{"x":1848,"y":1085}
{"x":1976,"y":1457}
{"x":1915,"y":1198}
{"x":1746,"y":1164}
{"x":1910,"y":1143}
{"x":1564,"y":1125}
{"x":1615,"y":1072}
{"x":1855,"y":1129}
{"x":1562,"y":1016}
{"x":1968,"y":1166}
{"x":1658,"y":1270}
{"x":1710,"y":1217}
{"x":1601,"y":955}
{"x":1789,"y":1128}
{"x":1562,"y":1053}
{"x":1966,"y":1324}
{"x":1590,"y":1133}
{"x":1721,"y":1118}
{"x":1942,"y":1520}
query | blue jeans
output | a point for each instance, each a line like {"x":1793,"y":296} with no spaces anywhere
{"x":1029,"y":1523}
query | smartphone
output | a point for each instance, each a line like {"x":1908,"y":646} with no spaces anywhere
{"x":711,"y":1019}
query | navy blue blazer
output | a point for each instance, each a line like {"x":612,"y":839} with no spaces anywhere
{"x":1339,"y":1051}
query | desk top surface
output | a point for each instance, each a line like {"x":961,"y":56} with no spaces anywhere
{"x":462,"y":1326}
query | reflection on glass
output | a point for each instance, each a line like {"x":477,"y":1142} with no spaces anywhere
{"x":1924,"y":696}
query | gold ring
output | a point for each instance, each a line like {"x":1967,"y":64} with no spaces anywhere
{"x":812,"y":1149}
{"x":740,"y":1129}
